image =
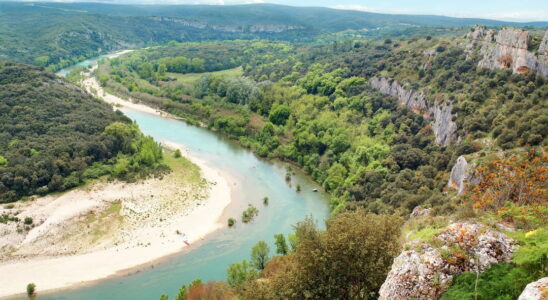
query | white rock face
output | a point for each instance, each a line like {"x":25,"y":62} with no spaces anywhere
{"x":537,"y":290}
{"x":459,"y":175}
{"x":480,"y":33}
{"x":510,"y":51}
{"x":425,"y":272}
{"x":440,"y":113}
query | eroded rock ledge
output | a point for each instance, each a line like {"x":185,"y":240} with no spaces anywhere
{"x":440,"y":112}
{"x":510,"y":50}
{"x":427,"y":269}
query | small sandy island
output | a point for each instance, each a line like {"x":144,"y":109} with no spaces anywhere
{"x":106,"y":228}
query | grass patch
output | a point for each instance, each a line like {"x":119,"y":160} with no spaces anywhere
{"x":426,"y":234}
{"x":105,"y":222}
{"x":190,"y":78}
{"x":424,"y":228}
{"x":182,"y":167}
{"x":501,"y":281}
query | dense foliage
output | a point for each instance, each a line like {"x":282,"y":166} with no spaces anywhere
{"x":295,"y":275}
{"x":53,"y":135}
{"x":312,"y":105}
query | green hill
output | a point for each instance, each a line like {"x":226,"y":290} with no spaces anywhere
{"x":52,"y":132}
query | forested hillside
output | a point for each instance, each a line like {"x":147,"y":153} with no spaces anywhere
{"x":412,"y":127}
{"x":315,"y":106}
{"x":54,"y":136}
{"x":59,"y":34}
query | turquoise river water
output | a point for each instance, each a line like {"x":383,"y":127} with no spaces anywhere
{"x":252,"y":178}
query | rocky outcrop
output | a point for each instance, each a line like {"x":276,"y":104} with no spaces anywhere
{"x":510,"y":51}
{"x":542,"y":66}
{"x":462,"y":174}
{"x":420,"y":211}
{"x":537,"y":290}
{"x":439,"y":112}
{"x":480,"y":33}
{"x":426,"y":271}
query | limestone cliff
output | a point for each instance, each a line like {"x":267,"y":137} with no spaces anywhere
{"x":426,"y":271}
{"x":511,"y":51}
{"x":439,"y":112}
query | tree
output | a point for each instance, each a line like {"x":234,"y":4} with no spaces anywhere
{"x":42,"y":60}
{"x":181,"y":295}
{"x":31,"y":290}
{"x":260,"y":255}
{"x":161,"y":70}
{"x":103,"y":79}
{"x":349,"y":260}
{"x":280,"y":115}
{"x":3,"y":161}
{"x":164,"y":297}
{"x":281,"y":244}
{"x":239,"y":273}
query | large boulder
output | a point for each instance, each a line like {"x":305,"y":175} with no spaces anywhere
{"x":426,"y":270}
{"x":537,"y":290}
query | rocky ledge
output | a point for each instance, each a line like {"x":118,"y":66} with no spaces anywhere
{"x":440,"y":112}
{"x":510,"y":50}
{"x":426,"y":270}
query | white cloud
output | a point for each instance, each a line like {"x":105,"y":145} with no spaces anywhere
{"x":526,"y":15}
{"x":516,"y":16}
{"x":355,"y":7}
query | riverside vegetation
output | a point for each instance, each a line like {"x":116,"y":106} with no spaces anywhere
{"x":317,"y":106}
{"x":381,"y":119}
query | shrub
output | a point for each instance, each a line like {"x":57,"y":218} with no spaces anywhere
{"x":177,"y":153}
{"x":249,"y":214}
{"x":330,"y":252}
{"x":501,"y":281}
{"x":31,"y":290}
{"x":28,"y":221}
{"x":231,"y":222}
{"x":518,"y":180}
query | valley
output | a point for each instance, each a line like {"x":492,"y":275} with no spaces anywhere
{"x":273,"y":153}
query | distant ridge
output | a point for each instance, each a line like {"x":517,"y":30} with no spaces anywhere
{"x":322,"y":18}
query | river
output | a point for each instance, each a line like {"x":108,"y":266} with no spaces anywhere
{"x":89,"y":62}
{"x":209,"y":259}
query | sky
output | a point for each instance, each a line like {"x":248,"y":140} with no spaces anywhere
{"x":509,"y":10}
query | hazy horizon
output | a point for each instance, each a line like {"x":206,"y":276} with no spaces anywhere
{"x":517,"y":11}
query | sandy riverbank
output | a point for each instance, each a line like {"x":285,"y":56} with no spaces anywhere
{"x":106,"y":228}
{"x":91,"y":85}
